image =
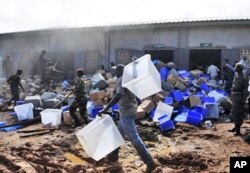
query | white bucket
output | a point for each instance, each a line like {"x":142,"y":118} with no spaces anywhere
{"x":162,"y":109}
{"x":51,"y":116}
{"x":100,"y":137}
{"x":24,"y":111}
{"x":141,"y":77}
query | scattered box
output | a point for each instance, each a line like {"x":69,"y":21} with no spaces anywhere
{"x":147,"y":105}
{"x":158,"y":97}
{"x":172,"y":79}
{"x":140,"y":113}
{"x":201,"y":80}
{"x":180,"y":86}
{"x":194,"y":101}
{"x":196,"y":73}
{"x":109,"y":75}
{"x":67,"y":119}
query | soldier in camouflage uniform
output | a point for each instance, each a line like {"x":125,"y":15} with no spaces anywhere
{"x":80,"y":99}
{"x":15,"y":81}
{"x":238,"y":98}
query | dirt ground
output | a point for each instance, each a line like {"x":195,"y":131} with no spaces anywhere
{"x":185,"y":149}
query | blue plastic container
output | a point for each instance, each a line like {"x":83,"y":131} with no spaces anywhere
{"x":208,"y":100}
{"x":168,"y":100}
{"x":2,"y":123}
{"x":12,"y":128}
{"x":19,"y":102}
{"x":181,"y":117}
{"x":65,"y":108}
{"x":184,"y":73}
{"x":182,"y":109}
{"x":13,"y":114}
{"x":204,"y":87}
{"x":177,"y":96}
{"x":199,"y":94}
{"x":202,"y":110}
{"x":115,"y":107}
{"x":165,"y":123}
{"x":194,"y":118}
{"x":163,"y":73}
{"x":221,"y":91}
{"x":95,"y":111}
{"x":152,"y":113}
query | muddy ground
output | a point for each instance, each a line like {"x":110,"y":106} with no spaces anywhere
{"x":185,"y":149}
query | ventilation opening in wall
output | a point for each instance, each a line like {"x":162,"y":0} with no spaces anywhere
{"x":162,"y":55}
{"x":202,"y":58}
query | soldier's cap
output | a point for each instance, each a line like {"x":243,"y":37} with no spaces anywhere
{"x":80,"y":71}
{"x":19,"y":71}
{"x":239,"y":66}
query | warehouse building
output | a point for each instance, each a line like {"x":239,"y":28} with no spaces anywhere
{"x":190,"y":44}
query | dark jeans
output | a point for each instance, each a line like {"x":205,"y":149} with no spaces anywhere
{"x":127,"y":127}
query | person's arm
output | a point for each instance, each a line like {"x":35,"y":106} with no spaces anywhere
{"x":19,"y":83}
{"x":114,"y":100}
{"x":9,"y":80}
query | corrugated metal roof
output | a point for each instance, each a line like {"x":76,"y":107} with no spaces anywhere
{"x":165,"y":23}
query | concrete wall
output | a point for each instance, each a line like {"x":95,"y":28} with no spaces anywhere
{"x":137,"y":39}
{"x":230,"y":37}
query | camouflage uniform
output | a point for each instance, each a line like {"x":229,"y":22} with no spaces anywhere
{"x":79,"y":101}
{"x":238,"y":98}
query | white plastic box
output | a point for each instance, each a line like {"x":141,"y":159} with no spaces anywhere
{"x":141,"y":77}
{"x":162,"y":109}
{"x":51,"y":116}
{"x":100,"y":137}
{"x":24,"y":111}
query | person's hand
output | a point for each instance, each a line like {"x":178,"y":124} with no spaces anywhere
{"x":101,"y":112}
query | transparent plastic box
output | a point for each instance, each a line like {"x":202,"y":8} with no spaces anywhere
{"x":100,"y":137}
{"x":24,"y":111}
{"x":141,"y":77}
{"x":51,"y":116}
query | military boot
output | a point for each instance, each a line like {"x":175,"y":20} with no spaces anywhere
{"x":237,"y":131}
{"x":231,"y":130}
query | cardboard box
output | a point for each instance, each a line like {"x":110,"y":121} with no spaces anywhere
{"x":112,"y":83}
{"x":172,"y":79}
{"x":180,"y":86}
{"x":67,"y":119}
{"x":196,"y":73}
{"x":201,"y":80}
{"x":140,"y":113}
{"x":108,"y":75}
{"x":101,"y":71}
{"x":147,"y":105}
{"x":158,"y":97}
{"x":194,"y":101}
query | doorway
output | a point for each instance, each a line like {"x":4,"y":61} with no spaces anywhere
{"x":202,"y":58}
{"x":162,"y":55}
